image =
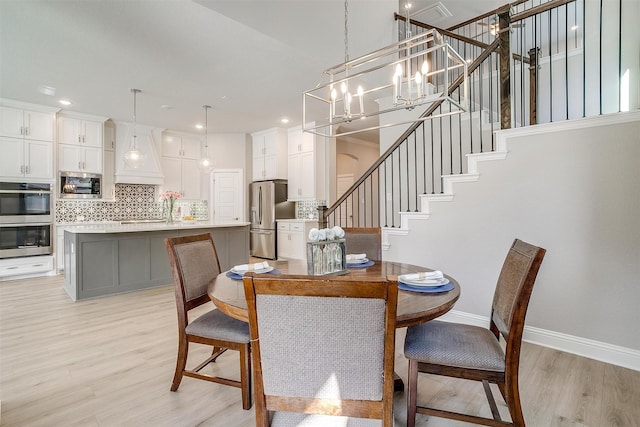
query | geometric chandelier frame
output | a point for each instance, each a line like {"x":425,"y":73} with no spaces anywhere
{"x":414,"y":72}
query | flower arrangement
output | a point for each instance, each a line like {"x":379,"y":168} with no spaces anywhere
{"x":168,"y":201}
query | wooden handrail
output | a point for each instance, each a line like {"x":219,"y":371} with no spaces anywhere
{"x":486,"y":15}
{"x":539,"y":9}
{"x":472,"y":67}
{"x":442,"y":31}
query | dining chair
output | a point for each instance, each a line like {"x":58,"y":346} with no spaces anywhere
{"x":364,"y":240}
{"x":475,"y":353}
{"x":194,"y":262}
{"x":323,"y":349}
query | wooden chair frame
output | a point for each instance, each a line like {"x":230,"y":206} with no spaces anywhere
{"x":366,"y":230}
{"x":219,"y":347}
{"x":506,"y":380}
{"x":323,"y":286}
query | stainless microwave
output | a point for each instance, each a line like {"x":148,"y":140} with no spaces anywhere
{"x":78,"y":185}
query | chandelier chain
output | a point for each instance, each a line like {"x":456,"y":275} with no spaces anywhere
{"x":346,"y":31}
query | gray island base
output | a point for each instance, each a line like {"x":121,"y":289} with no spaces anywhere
{"x":112,"y":259}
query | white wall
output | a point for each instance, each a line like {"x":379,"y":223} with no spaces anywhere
{"x":575,"y":193}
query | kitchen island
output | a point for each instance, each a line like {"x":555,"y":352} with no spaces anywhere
{"x":106,"y":259}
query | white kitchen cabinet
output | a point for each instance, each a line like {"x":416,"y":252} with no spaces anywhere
{"x":23,"y":123}
{"x":74,"y":158}
{"x":75,"y":131}
{"x":108,"y":162}
{"x":180,"y":155}
{"x":24,"y":158}
{"x":292,"y":238}
{"x":26,"y":265}
{"x":80,"y":143}
{"x":59,"y":249}
{"x":186,"y":147}
{"x":306,"y":165}
{"x":269,"y":154}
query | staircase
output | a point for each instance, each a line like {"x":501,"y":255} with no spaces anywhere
{"x":517,"y":77}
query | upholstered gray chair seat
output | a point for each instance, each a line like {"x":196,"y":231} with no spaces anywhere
{"x":454,"y":344}
{"x":289,"y":419}
{"x":217,"y":325}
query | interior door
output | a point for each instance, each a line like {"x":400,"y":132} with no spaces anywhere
{"x":228,"y":196}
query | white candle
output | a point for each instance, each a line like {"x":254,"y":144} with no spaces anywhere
{"x":425,"y":70}
{"x":347,"y":104}
{"x":395,"y":89}
{"x":334,"y":95}
{"x":399,"y":74}
{"x":361,"y":96}
{"x":418,"y":79}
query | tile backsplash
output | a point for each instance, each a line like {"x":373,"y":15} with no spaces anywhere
{"x":308,"y":209}
{"x":132,"y":201}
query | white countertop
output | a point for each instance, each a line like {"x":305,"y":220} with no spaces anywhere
{"x":297,"y":220}
{"x":116,"y":227}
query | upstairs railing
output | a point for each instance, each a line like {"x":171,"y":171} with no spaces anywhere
{"x":530,"y":62}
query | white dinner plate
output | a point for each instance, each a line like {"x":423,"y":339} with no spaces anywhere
{"x":259,"y":271}
{"x":358,"y":261}
{"x":426,"y":283}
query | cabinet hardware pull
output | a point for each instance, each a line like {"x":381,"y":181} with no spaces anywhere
{"x":26,"y":130}
{"x":11,"y":268}
{"x":28,"y":169}
{"x":37,"y":265}
{"x":21,"y":169}
{"x":79,"y":140}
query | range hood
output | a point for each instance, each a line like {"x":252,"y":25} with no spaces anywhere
{"x":148,"y":140}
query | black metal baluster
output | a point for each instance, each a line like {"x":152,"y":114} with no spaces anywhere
{"x":566,"y":60}
{"x":550,"y":73}
{"x":415,"y":165}
{"x":424,"y":159}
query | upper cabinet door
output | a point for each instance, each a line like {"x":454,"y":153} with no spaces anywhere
{"x":18,"y":123}
{"x":40,"y":159}
{"x":12,"y":158}
{"x":92,"y":134}
{"x":69,"y":131}
{"x":11,"y":122}
{"x":190,"y":148}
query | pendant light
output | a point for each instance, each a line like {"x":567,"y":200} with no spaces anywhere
{"x":205,"y":164}
{"x":134,"y":158}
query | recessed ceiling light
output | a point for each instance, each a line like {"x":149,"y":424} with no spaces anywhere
{"x":47,"y":90}
{"x":284,"y":120}
{"x":64,"y":102}
{"x":199,"y":126}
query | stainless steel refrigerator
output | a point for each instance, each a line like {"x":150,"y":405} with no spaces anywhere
{"x":268,"y":203}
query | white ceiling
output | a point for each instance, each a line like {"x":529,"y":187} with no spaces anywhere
{"x":249,"y":59}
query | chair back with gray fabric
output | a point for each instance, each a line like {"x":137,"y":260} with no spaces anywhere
{"x":364,"y":240}
{"x":194,"y":263}
{"x":323,"y":349}
{"x":475,"y":353}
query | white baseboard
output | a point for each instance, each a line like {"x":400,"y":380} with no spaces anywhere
{"x":608,"y":353}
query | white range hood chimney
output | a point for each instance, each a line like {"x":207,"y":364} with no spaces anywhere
{"x":148,"y":141}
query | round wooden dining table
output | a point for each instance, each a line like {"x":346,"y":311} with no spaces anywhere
{"x":413,"y":307}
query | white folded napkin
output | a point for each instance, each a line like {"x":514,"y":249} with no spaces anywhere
{"x":426,"y":275}
{"x":251,"y":267}
{"x":356,"y":257}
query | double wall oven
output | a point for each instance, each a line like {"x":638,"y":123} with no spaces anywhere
{"x":26,"y":220}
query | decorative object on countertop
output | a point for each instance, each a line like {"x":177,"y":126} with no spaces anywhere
{"x":326,"y":252}
{"x":168,"y":203}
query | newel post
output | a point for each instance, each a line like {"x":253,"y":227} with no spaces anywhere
{"x":534,"y":54}
{"x":504,"y":21}
{"x":322,"y":218}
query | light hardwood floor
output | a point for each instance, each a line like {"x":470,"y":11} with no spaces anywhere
{"x":110,"y":361}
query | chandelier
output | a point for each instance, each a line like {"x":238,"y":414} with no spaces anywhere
{"x":133,"y":157}
{"x":205,"y":164}
{"x":415,"y":72}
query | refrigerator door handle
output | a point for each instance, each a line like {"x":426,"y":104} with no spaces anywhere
{"x":260,"y":206}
